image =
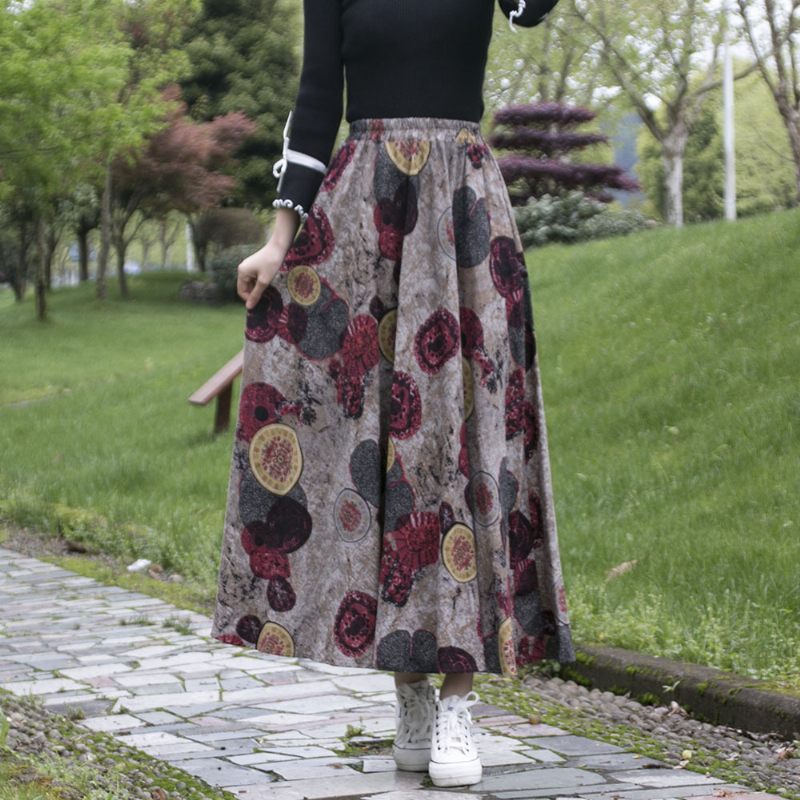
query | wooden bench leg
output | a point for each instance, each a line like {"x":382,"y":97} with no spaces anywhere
{"x":222,"y":419}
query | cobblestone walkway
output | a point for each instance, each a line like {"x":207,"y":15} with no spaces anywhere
{"x":266,"y":727}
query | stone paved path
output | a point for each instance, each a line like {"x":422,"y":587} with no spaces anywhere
{"x":267,"y":727}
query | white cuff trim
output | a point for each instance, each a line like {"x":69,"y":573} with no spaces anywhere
{"x":288,"y":203}
{"x":517,"y":12}
{"x":295,"y":156}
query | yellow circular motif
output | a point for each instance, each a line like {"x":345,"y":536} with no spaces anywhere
{"x":276,"y":458}
{"x":408,"y":155}
{"x":304,"y":285}
{"x":387,"y":328}
{"x":275,"y":639}
{"x":458,"y":553}
{"x":466,"y":136}
{"x":505,"y":647}
{"x":469,"y":391}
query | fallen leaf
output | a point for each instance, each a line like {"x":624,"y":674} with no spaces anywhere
{"x":785,"y":752}
{"x":621,"y":569}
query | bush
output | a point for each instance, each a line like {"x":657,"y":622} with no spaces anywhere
{"x":610,"y":223}
{"x":572,"y":217}
{"x":224,"y":265}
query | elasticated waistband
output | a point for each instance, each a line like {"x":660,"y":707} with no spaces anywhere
{"x":378,"y":128}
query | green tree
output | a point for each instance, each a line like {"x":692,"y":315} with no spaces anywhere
{"x":246,"y":56}
{"x":764,"y":174}
{"x":555,"y":61}
{"x":155,"y":30}
{"x":703,"y":185}
{"x":765,"y":178}
{"x":652,"y":50}
{"x":62,"y":66}
{"x":773,"y":32}
{"x":81,"y":83}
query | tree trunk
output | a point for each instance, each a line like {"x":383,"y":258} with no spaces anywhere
{"x":200,"y":246}
{"x":83,"y":254}
{"x":105,"y":236}
{"x":19,"y":279}
{"x":51,"y":238}
{"x":162,"y":240}
{"x":119,"y":247}
{"x":145,"y":253}
{"x":792,"y":119}
{"x":41,"y":269}
{"x":48,"y":269}
{"x":673,"y":147}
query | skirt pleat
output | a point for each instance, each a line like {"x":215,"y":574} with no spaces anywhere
{"x":390,"y":501}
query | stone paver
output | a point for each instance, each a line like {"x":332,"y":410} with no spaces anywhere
{"x":267,"y":727}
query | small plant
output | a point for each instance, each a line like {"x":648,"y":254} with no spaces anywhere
{"x":4,"y":729}
{"x":353,"y":730}
{"x":177,"y":624}
{"x":142,"y":619}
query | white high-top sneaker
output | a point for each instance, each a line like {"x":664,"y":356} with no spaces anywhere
{"x":414,"y":713}
{"x":454,"y":757}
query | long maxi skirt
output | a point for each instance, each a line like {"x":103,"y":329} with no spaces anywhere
{"x":390,"y":502}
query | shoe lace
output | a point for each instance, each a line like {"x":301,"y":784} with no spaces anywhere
{"x":453,"y":721}
{"x":416,"y":711}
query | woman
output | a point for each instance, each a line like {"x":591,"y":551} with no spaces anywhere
{"x":389,"y":503}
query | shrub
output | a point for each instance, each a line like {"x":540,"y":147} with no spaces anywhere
{"x":223,"y":267}
{"x":573,"y":217}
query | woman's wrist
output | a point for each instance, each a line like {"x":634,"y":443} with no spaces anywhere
{"x":287,"y":223}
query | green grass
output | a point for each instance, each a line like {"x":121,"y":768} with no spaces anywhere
{"x":671,"y":369}
{"x":670,"y":364}
{"x":97,"y":434}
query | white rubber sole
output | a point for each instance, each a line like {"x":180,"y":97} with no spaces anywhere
{"x":411,"y":759}
{"x":463,"y":773}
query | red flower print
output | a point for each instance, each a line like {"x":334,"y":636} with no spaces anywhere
{"x":454,"y":659}
{"x":268,"y":563}
{"x":360,"y":345}
{"x":406,"y":413}
{"x":477,"y":151}
{"x":341,"y":159}
{"x":260,"y":404}
{"x":396,"y":579}
{"x":437,"y":340}
{"x":354,"y":627}
{"x":262,"y":320}
{"x":515,"y":411}
{"x":280,"y":594}
{"x":507,"y":268}
{"x":417,"y":540}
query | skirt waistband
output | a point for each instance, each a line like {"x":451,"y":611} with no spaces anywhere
{"x":379,"y":128}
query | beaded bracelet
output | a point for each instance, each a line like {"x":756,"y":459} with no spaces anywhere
{"x":287,"y":203}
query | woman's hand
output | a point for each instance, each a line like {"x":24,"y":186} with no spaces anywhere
{"x":256,"y":272}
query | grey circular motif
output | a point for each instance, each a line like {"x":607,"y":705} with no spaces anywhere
{"x":352,"y":515}
{"x":483,"y":496}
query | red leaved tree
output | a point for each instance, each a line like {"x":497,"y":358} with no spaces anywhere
{"x":184,"y":167}
{"x":542,"y":137}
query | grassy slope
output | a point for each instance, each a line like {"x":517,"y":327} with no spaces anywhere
{"x":670,"y":364}
{"x":671,"y":369}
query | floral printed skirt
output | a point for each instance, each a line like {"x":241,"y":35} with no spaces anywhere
{"x":390,"y":502}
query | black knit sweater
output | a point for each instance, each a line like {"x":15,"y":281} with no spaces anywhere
{"x":397,"y":58}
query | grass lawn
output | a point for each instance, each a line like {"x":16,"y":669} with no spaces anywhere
{"x":671,"y":377}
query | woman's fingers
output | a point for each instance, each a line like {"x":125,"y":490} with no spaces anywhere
{"x":256,"y":292}
{"x":256,"y":272}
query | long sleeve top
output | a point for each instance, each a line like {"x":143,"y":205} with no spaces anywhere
{"x":398,"y":58}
